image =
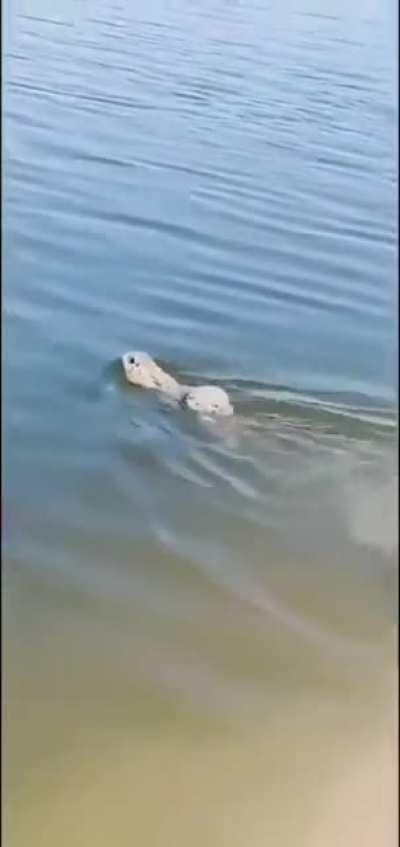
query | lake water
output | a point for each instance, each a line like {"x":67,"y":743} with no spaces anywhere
{"x":200,"y":622}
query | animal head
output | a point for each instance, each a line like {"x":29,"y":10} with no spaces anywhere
{"x":208,"y":400}
{"x":140,"y":369}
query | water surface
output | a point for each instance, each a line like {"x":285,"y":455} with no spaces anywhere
{"x":200,"y":623}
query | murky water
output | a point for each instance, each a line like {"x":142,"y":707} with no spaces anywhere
{"x":200,"y":623}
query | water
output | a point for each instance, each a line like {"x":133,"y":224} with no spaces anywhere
{"x":200,"y":624}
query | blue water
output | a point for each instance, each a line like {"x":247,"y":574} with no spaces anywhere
{"x":214,"y":183}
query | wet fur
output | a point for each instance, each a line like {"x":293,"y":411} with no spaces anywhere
{"x":141,"y":370}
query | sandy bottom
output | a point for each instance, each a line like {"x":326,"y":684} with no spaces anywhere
{"x":317,"y":778}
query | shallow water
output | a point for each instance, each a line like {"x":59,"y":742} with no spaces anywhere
{"x":200,"y":621}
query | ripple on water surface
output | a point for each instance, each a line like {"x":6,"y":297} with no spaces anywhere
{"x":215,"y":184}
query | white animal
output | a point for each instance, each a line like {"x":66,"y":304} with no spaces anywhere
{"x":141,"y":370}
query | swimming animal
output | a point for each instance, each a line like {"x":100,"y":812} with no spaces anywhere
{"x":141,"y":370}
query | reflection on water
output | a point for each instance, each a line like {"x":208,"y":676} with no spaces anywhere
{"x":200,"y":620}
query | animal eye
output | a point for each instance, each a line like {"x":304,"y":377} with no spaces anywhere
{"x":131,"y":360}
